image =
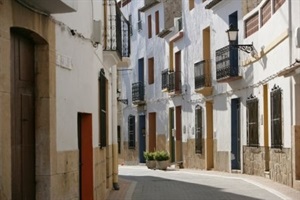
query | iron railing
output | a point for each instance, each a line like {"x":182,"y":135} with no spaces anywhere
{"x":164,"y":79}
{"x":138,"y":92}
{"x":227,"y":62}
{"x":202,"y":75}
{"x":117,"y":30}
{"x":174,"y":82}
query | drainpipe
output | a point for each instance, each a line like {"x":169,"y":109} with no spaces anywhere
{"x":114,"y":128}
{"x":291,"y":53}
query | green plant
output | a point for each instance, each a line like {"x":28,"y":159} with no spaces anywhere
{"x":149,"y":155}
{"x":161,"y":155}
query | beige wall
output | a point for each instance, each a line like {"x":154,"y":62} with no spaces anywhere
{"x":57,"y":173}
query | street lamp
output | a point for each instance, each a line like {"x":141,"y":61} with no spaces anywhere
{"x":232,"y":34}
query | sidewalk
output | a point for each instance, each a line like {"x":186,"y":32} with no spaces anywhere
{"x":138,"y":182}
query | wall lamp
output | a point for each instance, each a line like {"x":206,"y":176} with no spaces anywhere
{"x":232,"y":33}
{"x":125,"y":101}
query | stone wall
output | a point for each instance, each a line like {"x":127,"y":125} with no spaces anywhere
{"x":249,"y":5}
{"x":129,"y":156}
{"x":161,"y":142}
{"x":254,"y":160}
{"x":190,"y":158}
{"x":281,"y":166}
{"x":221,"y":159}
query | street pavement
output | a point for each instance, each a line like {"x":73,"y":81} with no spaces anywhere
{"x":140,"y":183}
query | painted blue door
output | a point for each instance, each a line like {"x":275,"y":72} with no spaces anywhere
{"x":142,"y":138}
{"x":141,"y":70}
{"x":235,"y":134}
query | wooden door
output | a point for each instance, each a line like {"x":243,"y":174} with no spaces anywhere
{"x":152,"y":132}
{"x":23,"y":118}
{"x":178,"y":145}
{"x":85,"y":156}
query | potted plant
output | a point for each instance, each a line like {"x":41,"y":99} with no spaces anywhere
{"x":162,"y":159}
{"x":150,"y":162}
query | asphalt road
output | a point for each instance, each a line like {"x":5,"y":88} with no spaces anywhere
{"x":140,"y":183}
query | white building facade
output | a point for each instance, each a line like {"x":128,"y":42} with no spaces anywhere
{"x":214,"y":104}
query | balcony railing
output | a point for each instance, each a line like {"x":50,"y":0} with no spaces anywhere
{"x":202,"y":75}
{"x":138,"y":92}
{"x":227,"y":64}
{"x":175,"y":82}
{"x":117,"y":30}
{"x":164,"y":79}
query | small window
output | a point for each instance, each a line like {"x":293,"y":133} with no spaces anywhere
{"x":276,"y":118}
{"x":151,"y":70}
{"x":266,"y":12}
{"x":156,"y":22}
{"x":198,"y":129}
{"x":191,"y":4}
{"x":252,"y":121}
{"x":131,"y":132}
{"x":103,"y":107}
{"x":140,"y":27}
{"x":149,"y":27}
{"x":251,"y":25}
{"x":277,"y":4}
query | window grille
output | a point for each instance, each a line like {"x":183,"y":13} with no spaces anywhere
{"x":276,"y":117}
{"x":252,"y":121}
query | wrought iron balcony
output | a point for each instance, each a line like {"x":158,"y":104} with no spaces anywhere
{"x":203,"y":78}
{"x":227,"y":64}
{"x":165,"y":79}
{"x":138,"y":93}
{"x":116,"y":30}
{"x":174,"y":85}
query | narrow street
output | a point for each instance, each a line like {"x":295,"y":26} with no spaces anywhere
{"x":140,"y":183}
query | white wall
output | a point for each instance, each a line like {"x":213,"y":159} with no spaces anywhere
{"x":77,"y":87}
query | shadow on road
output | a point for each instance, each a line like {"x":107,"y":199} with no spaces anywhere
{"x":155,"y":188}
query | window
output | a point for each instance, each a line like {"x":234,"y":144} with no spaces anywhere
{"x":151,"y":70}
{"x":156,"y":22}
{"x":139,"y":21}
{"x":149,"y":27}
{"x":191,"y":4}
{"x":130,"y":24}
{"x":198,"y":129}
{"x":251,"y":25}
{"x":252,"y":121}
{"x":277,"y":4}
{"x":131,"y":132}
{"x":276,"y":118}
{"x":102,"y":106}
{"x":266,"y":12}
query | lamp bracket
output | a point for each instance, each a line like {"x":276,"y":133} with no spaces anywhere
{"x":125,"y":101}
{"x":248,"y":48}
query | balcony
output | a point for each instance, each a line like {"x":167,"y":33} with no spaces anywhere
{"x":51,"y":7}
{"x":227,"y":64}
{"x":138,"y":93}
{"x":165,"y":80}
{"x":116,"y":30}
{"x":203,"y":78}
{"x":174,"y":84}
